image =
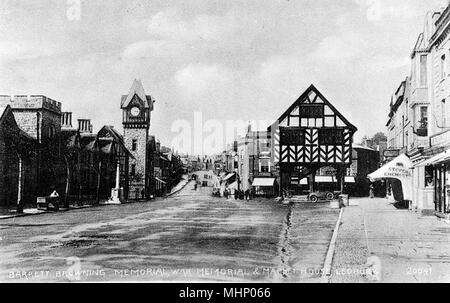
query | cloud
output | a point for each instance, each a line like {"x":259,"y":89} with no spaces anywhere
{"x":383,"y":63}
{"x":199,"y":79}
{"x":377,"y":10}
{"x":171,"y":35}
{"x":337,"y":48}
{"x":170,"y":25}
{"x":148,"y":49}
{"x":19,"y":50}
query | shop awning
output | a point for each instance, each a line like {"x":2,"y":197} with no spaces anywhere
{"x":324,"y":179}
{"x":400,"y":169}
{"x":264,"y":182}
{"x":159,"y":180}
{"x":229,"y":176}
{"x":437,"y":159}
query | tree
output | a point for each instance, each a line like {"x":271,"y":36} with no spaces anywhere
{"x":68,"y":149}
{"x":375,"y":140}
{"x":378,"y":138}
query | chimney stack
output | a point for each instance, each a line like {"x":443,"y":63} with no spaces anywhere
{"x":84,"y":126}
{"x":66,"y":120}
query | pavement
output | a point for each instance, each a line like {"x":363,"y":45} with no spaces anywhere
{"x":190,"y":236}
{"x":380,"y":243}
{"x":184,"y":181}
{"x":8,"y":213}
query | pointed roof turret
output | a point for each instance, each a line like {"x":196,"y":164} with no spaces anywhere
{"x":137,"y":89}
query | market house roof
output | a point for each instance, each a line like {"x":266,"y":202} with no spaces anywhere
{"x":312,"y":96}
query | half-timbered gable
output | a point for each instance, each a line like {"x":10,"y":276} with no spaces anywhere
{"x":312,"y":131}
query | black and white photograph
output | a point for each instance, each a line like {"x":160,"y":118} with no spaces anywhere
{"x":225,"y":142}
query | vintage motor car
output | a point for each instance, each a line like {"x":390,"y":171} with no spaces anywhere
{"x":323,"y":196}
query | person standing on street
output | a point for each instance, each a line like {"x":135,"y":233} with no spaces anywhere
{"x":371,"y":192}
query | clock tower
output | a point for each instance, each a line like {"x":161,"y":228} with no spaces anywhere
{"x":136,"y":112}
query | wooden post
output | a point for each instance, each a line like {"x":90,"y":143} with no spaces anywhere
{"x":312,"y":180}
{"x":118,"y":175}
{"x":66,"y":195}
{"x":99,"y":176}
{"x":19,"y":186}
{"x":434,"y":187}
{"x":444,"y":200}
{"x":280,"y":186}
{"x":79,"y":177}
{"x":440,"y":190}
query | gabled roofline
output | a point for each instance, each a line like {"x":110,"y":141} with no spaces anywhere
{"x":325,"y":100}
{"x":117,"y":137}
{"x":137,"y":89}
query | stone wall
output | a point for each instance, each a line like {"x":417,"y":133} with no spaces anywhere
{"x":139,"y":154}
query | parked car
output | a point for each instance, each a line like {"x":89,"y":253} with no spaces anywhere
{"x":323,"y":196}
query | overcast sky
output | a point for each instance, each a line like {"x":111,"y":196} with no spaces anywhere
{"x":227,"y":59}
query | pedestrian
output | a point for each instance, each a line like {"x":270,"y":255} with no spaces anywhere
{"x":236,"y":194}
{"x":247,"y":195}
{"x":371,"y":193}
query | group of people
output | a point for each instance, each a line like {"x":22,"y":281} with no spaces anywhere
{"x":239,"y":194}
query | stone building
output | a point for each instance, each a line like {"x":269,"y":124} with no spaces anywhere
{"x":418,"y":124}
{"x":16,"y":149}
{"x":91,"y":162}
{"x":136,"y":108}
{"x":256,"y":170}
{"x":40,"y":118}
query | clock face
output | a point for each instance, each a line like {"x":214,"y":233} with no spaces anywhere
{"x":135,"y":111}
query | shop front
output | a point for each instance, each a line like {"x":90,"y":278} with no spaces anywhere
{"x":266,"y":187}
{"x":437,"y":175}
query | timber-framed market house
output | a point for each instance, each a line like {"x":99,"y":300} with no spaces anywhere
{"x":312,"y":136}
